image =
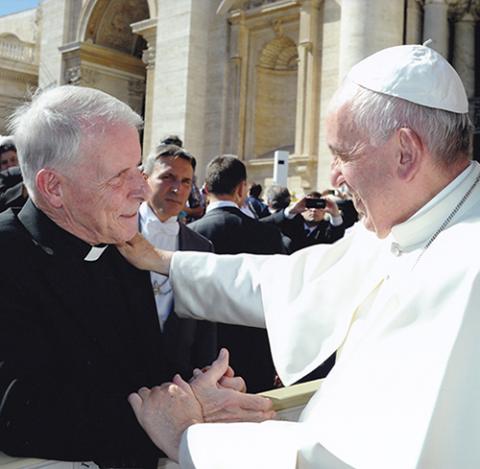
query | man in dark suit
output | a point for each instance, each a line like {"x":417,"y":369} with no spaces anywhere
{"x":79,"y":330}
{"x":169,"y":169}
{"x":12,"y":190}
{"x":8,"y":153}
{"x":255,"y":203}
{"x":233,"y":232}
{"x":307,"y":226}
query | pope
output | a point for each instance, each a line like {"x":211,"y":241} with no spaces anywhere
{"x":397,"y":299}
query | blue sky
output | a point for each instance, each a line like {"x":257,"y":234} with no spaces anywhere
{"x":13,"y":6}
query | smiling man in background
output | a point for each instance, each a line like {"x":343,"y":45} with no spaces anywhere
{"x":188,"y":343}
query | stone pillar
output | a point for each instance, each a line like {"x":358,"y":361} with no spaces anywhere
{"x":230,"y":137}
{"x":464,"y":48}
{"x":368,"y":26}
{"x":183,"y":75}
{"x":413,"y":27}
{"x":435,"y":25}
{"x":243,"y":40}
{"x":54,"y":12}
{"x":171,"y":72}
{"x":148,"y":30}
{"x":331,"y":12}
{"x":309,"y":56}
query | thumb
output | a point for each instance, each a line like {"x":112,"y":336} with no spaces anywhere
{"x":219,"y":366}
{"x":182,"y":384}
{"x":135,"y":401}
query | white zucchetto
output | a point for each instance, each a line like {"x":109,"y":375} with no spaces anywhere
{"x":415,"y":73}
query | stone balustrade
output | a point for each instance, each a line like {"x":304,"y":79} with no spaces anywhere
{"x":18,"y":51}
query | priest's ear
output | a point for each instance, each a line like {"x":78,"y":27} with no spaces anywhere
{"x":49,"y":186}
{"x":411,"y":153}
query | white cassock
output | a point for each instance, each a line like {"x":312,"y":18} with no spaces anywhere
{"x":405,"y":391}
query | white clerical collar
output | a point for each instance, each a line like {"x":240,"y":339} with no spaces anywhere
{"x":419,"y":228}
{"x":220,"y":204}
{"x":95,"y":253}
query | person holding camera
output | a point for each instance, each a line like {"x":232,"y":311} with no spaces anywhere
{"x":312,"y":220}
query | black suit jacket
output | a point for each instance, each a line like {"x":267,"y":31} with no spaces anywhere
{"x":294,"y":229}
{"x":189,"y":343}
{"x":233,"y":232}
{"x":76,"y":338}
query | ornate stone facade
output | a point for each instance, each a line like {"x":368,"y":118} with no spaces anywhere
{"x":246,"y":77}
{"x":18,"y":65}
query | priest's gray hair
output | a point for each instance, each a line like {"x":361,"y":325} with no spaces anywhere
{"x":61,"y":125}
{"x":446,"y":134}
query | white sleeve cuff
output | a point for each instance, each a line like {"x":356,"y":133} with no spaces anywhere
{"x":336,"y":221}
{"x":287,"y":214}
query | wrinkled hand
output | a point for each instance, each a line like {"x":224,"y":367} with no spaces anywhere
{"x":143,"y":255}
{"x":165,"y":411}
{"x":228,"y":380}
{"x":221,"y":398}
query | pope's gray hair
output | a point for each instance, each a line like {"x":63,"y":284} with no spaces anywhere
{"x":62,"y":124}
{"x":447,"y":135}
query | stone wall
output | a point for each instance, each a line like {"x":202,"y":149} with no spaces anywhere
{"x":255,"y":78}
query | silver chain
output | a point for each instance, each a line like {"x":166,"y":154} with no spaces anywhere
{"x":448,"y":219}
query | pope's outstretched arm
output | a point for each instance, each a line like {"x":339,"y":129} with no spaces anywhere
{"x":222,"y":288}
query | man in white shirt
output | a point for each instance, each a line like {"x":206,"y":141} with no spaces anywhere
{"x":188,"y":343}
{"x":403,"y":393}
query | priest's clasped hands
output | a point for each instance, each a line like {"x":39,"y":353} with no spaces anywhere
{"x":214,"y":395}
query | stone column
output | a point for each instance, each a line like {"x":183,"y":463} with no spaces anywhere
{"x":368,"y":26}
{"x":464,"y":52}
{"x":309,"y":55}
{"x":148,"y":30}
{"x":54,"y":12}
{"x":435,"y":25}
{"x":171,"y":71}
{"x":413,"y":28}
{"x":231,"y":105}
{"x":243,"y":40}
{"x":185,"y":70}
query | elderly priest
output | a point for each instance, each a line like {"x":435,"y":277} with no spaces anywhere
{"x":404,"y":392}
{"x":79,"y":331}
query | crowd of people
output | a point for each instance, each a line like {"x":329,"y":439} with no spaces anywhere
{"x":105,"y":332}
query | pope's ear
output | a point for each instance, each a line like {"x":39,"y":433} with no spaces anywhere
{"x":411,"y":150}
{"x":49,"y":185}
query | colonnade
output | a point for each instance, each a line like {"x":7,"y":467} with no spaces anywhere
{"x":364,"y":24}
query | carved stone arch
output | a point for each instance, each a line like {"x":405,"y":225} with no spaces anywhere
{"x":10,"y":37}
{"x":280,"y":53}
{"x":112,"y":18}
{"x":108,"y":54}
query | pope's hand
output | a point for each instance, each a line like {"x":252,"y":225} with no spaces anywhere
{"x":165,"y":412}
{"x":222,"y":398}
{"x":143,"y":255}
{"x":228,"y":380}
